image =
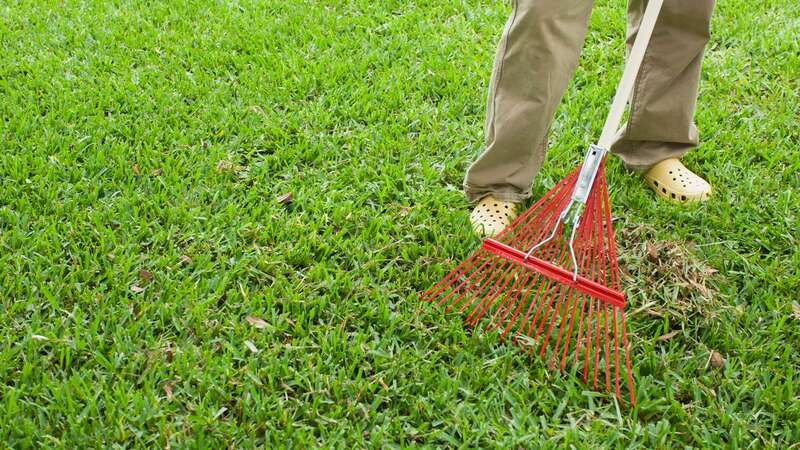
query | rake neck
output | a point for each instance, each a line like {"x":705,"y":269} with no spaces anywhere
{"x":591,"y":165}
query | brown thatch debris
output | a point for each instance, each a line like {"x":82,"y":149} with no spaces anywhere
{"x":673,"y":269}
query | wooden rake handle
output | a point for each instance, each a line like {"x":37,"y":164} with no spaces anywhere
{"x":625,"y":86}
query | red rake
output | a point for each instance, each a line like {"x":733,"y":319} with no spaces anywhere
{"x":575,"y":315}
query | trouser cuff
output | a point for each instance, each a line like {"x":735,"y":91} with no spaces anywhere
{"x":503,"y":193}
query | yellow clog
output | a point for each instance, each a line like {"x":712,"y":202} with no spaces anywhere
{"x":673,"y":181}
{"x":491,"y":216}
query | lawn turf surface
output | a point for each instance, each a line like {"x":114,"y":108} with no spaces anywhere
{"x":143,"y":148}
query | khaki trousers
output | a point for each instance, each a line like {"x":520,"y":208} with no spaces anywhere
{"x":537,"y":56}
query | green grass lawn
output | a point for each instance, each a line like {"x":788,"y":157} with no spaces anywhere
{"x":156,"y":292}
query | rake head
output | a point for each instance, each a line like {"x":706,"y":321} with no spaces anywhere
{"x":560,"y":301}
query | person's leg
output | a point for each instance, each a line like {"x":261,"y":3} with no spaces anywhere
{"x":535,"y":59}
{"x":661,"y":124}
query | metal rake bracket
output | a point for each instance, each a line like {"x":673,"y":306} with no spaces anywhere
{"x":573,"y":212}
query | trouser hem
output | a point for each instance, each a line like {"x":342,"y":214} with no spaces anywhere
{"x":506,"y":194}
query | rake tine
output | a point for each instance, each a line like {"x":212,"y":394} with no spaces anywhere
{"x":579,"y":334}
{"x":597,"y":343}
{"x":588,"y":251}
{"x":558,"y":189}
{"x":521,"y":304}
{"x":538,"y":300}
{"x":616,"y":353}
{"x":627,"y":358}
{"x":592,"y":306}
{"x":564,"y":317}
{"x":608,"y":353}
{"x":608,"y":270}
{"x":569,"y":331}
{"x":594,"y":271}
{"x":495,"y":275}
{"x":497,"y":291}
{"x":562,"y":289}
{"x":543,"y":230}
{"x":548,"y":215}
{"x":594,"y":268}
{"x":564,"y":320}
{"x":589,"y":337}
{"x":546,"y":289}
{"x":447,"y":280}
{"x":556,"y":311}
{"x":466,"y":281}
{"x":509,"y":301}
{"x":551,"y":215}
